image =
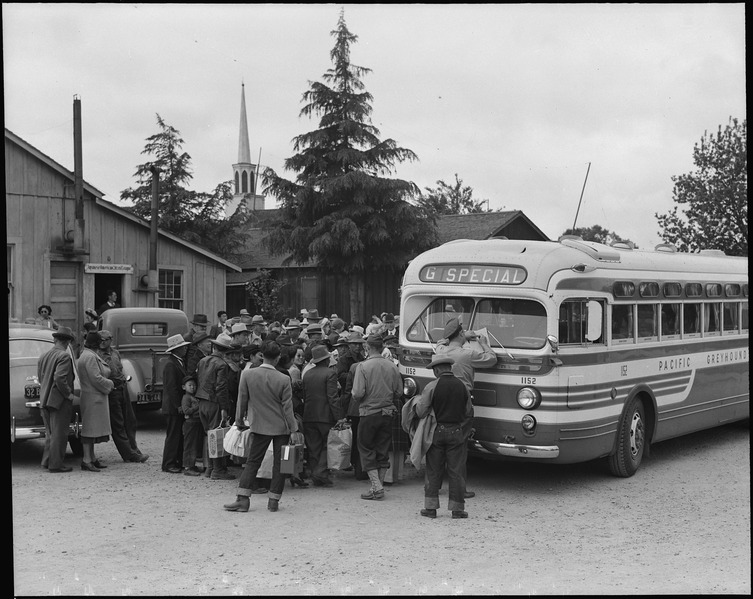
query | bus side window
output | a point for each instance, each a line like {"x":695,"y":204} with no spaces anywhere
{"x":731,"y":317}
{"x":712,"y":317}
{"x":691,"y":319}
{"x":670,"y":319}
{"x":647,"y":321}
{"x":744,"y":317}
{"x":622,"y":322}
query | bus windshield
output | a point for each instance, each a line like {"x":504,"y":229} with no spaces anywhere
{"x":512,"y":323}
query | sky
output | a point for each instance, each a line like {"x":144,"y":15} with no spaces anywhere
{"x":531,"y":105}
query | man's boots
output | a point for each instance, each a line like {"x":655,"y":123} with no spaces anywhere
{"x":219,"y":470}
{"x":377,"y":490}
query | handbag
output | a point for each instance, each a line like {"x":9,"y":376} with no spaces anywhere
{"x":339,"y":442}
{"x":291,"y":455}
{"x":237,"y":441}
{"x":215,"y":438}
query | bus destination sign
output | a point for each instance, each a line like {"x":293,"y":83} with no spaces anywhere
{"x":481,"y":274}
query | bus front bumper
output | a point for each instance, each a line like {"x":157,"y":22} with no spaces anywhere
{"x":514,"y":450}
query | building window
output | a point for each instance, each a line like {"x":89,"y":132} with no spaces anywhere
{"x":171,"y":289}
{"x":237,"y":189}
{"x":244,"y":182}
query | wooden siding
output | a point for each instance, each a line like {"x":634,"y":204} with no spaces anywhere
{"x":40,"y":209}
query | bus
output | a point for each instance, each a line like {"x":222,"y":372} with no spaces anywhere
{"x":601,"y":350}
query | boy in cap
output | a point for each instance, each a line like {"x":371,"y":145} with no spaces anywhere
{"x":193,"y":432}
{"x":451,"y":402}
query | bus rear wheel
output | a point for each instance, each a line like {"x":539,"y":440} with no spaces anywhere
{"x":631,"y":441}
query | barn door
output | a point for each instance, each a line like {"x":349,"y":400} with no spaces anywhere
{"x":65,"y":288}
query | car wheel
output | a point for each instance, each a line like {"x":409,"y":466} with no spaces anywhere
{"x":631,"y":441}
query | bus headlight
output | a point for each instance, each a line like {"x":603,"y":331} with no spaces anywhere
{"x":529,"y":398}
{"x":409,"y":387}
{"x":528,"y":423}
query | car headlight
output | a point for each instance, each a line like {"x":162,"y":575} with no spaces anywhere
{"x":529,"y":398}
{"x":409,"y":387}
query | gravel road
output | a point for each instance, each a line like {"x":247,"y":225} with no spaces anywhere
{"x":681,"y":525}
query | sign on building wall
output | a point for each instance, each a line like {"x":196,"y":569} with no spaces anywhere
{"x":119,"y":269}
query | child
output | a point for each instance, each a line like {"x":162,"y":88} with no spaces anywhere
{"x":193,"y":431}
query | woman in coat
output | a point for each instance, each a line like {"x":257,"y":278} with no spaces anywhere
{"x":95,"y":409}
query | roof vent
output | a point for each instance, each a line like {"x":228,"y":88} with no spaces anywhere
{"x":666,"y":247}
{"x":712,"y":253}
{"x":623,"y":245}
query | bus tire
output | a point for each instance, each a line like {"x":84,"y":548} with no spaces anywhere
{"x":631,"y":441}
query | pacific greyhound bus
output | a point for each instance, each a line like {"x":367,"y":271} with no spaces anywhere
{"x":601,"y":350}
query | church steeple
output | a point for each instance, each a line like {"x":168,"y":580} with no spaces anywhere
{"x":244,"y":148}
{"x":244,"y":172}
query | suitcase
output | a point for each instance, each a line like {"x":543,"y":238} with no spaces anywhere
{"x":291,"y":459}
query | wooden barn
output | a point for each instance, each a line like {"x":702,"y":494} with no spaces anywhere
{"x":305,"y":287}
{"x":68,"y":253}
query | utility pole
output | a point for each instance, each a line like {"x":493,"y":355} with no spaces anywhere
{"x":581,"y":197}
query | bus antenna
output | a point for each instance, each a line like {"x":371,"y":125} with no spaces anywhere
{"x":581,"y":197}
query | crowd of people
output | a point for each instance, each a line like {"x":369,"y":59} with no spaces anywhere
{"x":288,"y":382}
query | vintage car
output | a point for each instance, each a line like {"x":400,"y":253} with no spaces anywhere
{"x":26,"y":343}
{"x":140,"y":335}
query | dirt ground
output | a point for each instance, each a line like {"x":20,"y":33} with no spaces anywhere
{"x":681,"y":525}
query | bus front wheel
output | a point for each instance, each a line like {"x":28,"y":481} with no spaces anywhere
{"x":631,"y":441}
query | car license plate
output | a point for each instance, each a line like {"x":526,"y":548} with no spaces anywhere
{"x":31,"y":391}
{"x":150,"y":397}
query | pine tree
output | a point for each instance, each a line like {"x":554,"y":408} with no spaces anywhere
{"x":342,"y":212}
{"x":714,"y":198}
{"x":197,"y":217}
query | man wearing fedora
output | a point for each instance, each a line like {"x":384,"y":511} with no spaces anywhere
{"x":294,"y":328}
{"x":451,"y":402}
{"x":469,"y":351}
{"x":214,"y":400}
{"x":377,"y":387}
{"x":199,"y":349}
{"x":321,"y":409}
{"x":258,"y":329}
{"x":56,"y":375}
{"x":199,"y":324}
{"x":172,"y":395}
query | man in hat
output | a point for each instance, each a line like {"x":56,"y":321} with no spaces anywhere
{"x":314,"y":334}
{"x":200,"y":348}
{"x":239,"y":333}
{"x":377,"y":387}
{"x":172,"y":395}
{"x":294,"y":330}
{"x":214,"y":400}
{"x":451,"y":401}
{"x":258,"y":329}
{"x":321,"y":410}
{"x":390,"y":326}
{"x":122,"y":417}
{"x":199,"y":324}
{"x":313,"y":315}
{"x":56,"y":375}
{"x":469,"y":351}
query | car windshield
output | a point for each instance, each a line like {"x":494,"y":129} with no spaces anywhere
{"x":28,"y":348}
{"x":509,"y":322}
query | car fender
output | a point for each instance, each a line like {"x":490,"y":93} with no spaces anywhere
{"x":138,"y":380}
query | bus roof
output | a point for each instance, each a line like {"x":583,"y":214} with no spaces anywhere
{"x":541,"y":259}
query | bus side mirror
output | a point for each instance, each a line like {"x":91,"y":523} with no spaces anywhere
{"x":554,"y":343}
{"x":595,"y":314}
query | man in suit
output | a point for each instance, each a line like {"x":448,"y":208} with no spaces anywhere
{"x":56,"y":375}
{"x":172,"y":395}
{"x":272,"y":420}
{"x":321,"y":409}
{"x":112,"y":302}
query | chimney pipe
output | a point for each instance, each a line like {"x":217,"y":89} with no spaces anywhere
{"x":78,"y":177}
{"x":153,"y":274}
